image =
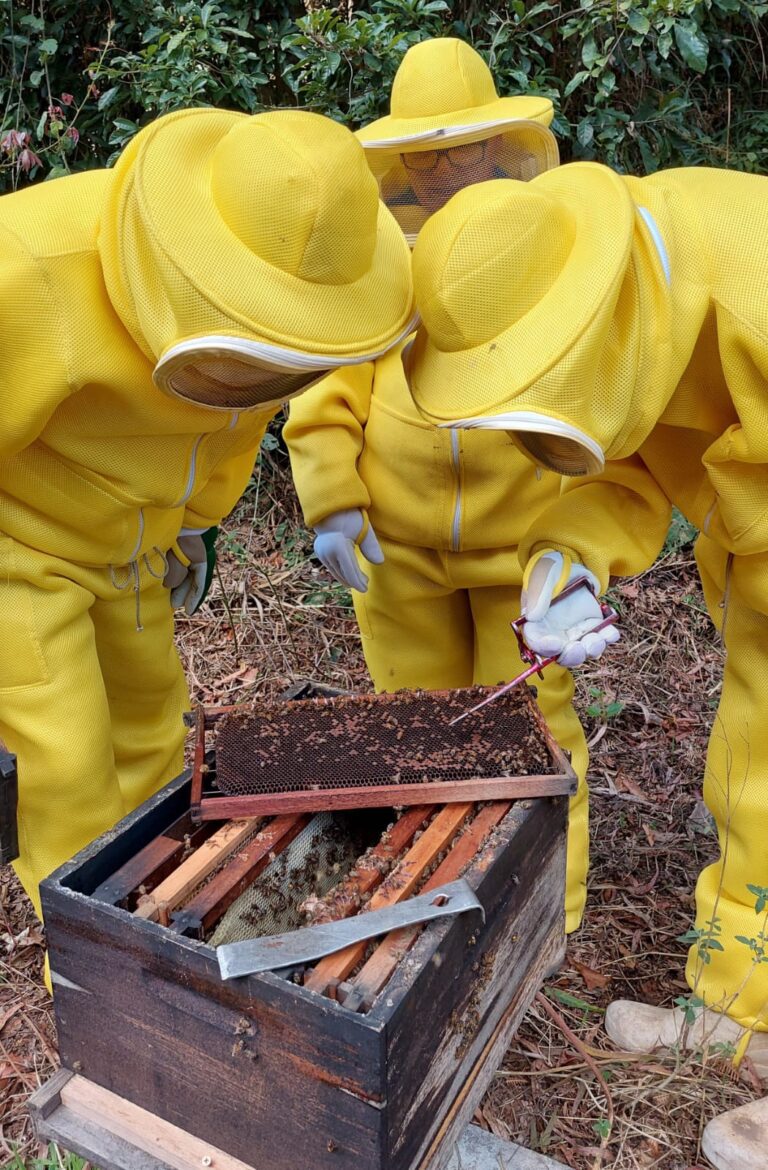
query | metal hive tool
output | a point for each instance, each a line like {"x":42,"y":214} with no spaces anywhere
{"x":374,"y":751}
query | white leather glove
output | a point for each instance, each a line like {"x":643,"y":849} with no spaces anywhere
{"x":187,"y":582}
{"x":335,"y":547}
{"x":563,"y":629}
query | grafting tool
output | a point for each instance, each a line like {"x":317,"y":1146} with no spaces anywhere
{"x":535,"y":661}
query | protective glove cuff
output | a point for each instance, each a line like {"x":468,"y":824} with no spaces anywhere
{"x":180,"y":555}
{"x":364,"y":528}
{"x":553,"y":576}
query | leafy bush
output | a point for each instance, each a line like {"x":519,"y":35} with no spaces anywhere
{"x":639,"y":85}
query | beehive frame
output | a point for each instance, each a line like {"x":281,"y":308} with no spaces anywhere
{"x":208,"y":802}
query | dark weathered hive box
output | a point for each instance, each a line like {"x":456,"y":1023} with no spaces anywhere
{"x":278,"y":1075}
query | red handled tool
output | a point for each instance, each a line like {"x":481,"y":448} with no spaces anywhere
{"x":536,"y":663}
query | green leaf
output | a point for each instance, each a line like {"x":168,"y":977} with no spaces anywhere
{"x":693,"y":45}
{"x":590,"y":53}
{"x":608,"y":82}
{"x":638,"y":21}
{"x":575,"y":82}
{"x":41,"y":125}
{"x":585,"y":132}
{"x":48,"y":46}
{"x":176,"y":40}
{"x":35,"y":77}
{"x":206,"y":11}
{"x":108,"y":98}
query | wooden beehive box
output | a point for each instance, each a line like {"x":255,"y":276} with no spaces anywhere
{"x":278,"y":1074}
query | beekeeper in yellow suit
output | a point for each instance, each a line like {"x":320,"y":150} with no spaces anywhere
{"x":154,"y":317}
{"x":638,"y":344}
{"x":434,"y":513}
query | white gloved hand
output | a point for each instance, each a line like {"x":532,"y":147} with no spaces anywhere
{"x":187,"y":582}
{"x":335,"y":547}
{"x":563,"y":629}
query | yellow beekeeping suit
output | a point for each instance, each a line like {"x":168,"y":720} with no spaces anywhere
{"x":448,"y":516}
{"x":217,"y":242}
{"x":644,"y":346}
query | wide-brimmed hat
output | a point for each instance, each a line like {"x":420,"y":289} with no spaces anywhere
{"x":265,"y":228}
{"x":517,"y":287}
{"x":444,"y":96}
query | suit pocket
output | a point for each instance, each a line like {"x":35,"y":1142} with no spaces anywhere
{"x":22,"y":660}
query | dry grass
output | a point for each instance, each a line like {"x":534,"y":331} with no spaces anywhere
{"x":283,"y":621}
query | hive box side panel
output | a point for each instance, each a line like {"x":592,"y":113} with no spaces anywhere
{"x":442,"y":1027}
{"x":269,"y":1072}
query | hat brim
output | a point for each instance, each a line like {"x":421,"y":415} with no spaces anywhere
{"x":389,"y":131}
{"x":489,"y":378}
{"x":271,"y":305}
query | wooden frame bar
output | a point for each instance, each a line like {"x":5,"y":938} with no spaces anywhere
{"x":434,"y":792}
{"x":165,"y":897}
{"x":400,"y":883}
{"x":380,"y":967}
{"x":155,"y":861}
{"x":344,"y":899}
{"x":212,"y":900}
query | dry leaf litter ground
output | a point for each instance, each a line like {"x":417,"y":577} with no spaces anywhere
{"x":274,"y":617}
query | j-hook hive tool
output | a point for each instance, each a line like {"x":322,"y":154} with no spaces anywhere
{"x":535,"y":661}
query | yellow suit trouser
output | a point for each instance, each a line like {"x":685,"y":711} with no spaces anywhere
{"x":728,"y":965}
{"x":436,"y":620}
{"x":91,"y":707}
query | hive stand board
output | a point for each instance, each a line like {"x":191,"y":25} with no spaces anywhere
{"x":279,"y":1075}
{"x":115,"y":1135}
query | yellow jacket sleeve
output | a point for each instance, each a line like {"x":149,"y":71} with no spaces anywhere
{"x":325,"y":435}
{"x":614,"y":524}
{"x":737,"y":462}
{"x":218,"y":496}
{"x":35,"y":366}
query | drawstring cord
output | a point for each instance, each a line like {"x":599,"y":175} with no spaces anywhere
{"x":133,"y":577}
{"x":726,"y":597}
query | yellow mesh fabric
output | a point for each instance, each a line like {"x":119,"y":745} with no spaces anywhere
{"x":334,"y":276}
{"x":438,"y":76}
{"x":593,"y":349}
{"x":443,"y":83}
{"x":527,"y":240}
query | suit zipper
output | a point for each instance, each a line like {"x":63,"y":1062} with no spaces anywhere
{"x":456,"y":465}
